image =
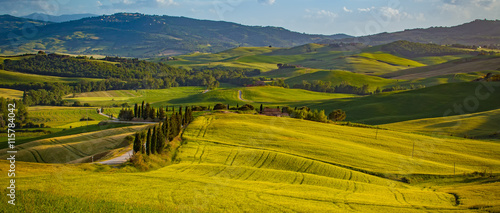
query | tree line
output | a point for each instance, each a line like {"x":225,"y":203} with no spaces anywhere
{"x":154,"y":140}
{"x":114,"y":74}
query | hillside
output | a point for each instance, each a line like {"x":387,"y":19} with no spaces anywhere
{"x":240,"y":163}
{"x":475,"y":125}
{"x":60,"y":18}
{"x":10,"y":23}
{"x":429,"y":102}
{"x":467,"y":65}
{"x":138,"y":35}
{"x":478,"y":32}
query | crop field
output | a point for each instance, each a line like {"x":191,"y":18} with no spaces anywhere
{"x":429,"y":102}
{"x":467,"y":65}
{"x":241,"y":163}
{"x":481,"y":124}
{"x":8,"y":77}
{"x":74,"y":147}
{"x":433,"y":60}
{"x":336,"y":77}
{"x":278,"y":95}
{"x":156,"y":97}
{"x":11,"y":93}
{"x":64,"y":117}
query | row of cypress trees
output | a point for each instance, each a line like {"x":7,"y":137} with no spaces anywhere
{"x":155,"y":139}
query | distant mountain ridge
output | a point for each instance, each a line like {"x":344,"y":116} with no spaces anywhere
{"x":60,"y":18}
{"x":138,"y":35}
{"x":478,"y":32}
{"x":146,"y":36}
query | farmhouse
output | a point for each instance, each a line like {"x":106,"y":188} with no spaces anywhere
{"x":273,"y":112}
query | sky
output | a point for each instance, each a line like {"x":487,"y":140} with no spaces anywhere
{"x":353,"y":17}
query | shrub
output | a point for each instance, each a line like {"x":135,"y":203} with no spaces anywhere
{"x":220,"y":107}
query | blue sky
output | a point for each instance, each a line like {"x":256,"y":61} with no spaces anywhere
{"x":354,"y":17}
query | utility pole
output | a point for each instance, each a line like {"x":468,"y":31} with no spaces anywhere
{"x":454,"y":168}
{"x":87,"y":117}
{"x":376,"y":134}
{"x":413,"y":149}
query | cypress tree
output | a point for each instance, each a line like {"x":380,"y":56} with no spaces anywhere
{"x":142,"y":111}
{"x":161,"y":114}
{"x":166,"y":130}
{"x":143,"y":143}
{"x":160,"y":144}
{"x":148,"y":142}
{"x":152,"y":113}
{"x":179,"y":124}
{"x":146,"y":111}
{"x":135,"y":110}
{"x":154,"y":140}
{"x":137,"y":143}
{"x":261,"y":108}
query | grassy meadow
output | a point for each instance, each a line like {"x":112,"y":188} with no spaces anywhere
{"x":9,"y":77}
{"x":241,"y":163}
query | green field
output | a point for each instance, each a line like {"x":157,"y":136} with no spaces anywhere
{"x":429,"y":102}
{"x":481,"y":125}
{"x":64,"y":149}
{"x":315,"y":56}
{"x":337,"y":77}
{"x":11,"y":93}
{"x":279,"y":95}
{"x":241,"y":163}
{"x":64,"y":117}
{"x":8,"y":77}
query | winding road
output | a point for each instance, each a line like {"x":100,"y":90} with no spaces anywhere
{"x":118,"y":160}
{"x":240,"y":96}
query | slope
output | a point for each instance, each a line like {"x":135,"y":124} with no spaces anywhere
{"x":244,"y":163}
{"x":416,"y":104}
{"x":475,"y":125}
{"x":466,"y":65}
{"x":138,"y":35}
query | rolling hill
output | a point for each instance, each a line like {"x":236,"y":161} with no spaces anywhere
{"x":429,"y":102}
{"x":138,"y":35}
{"x":60,"y":18}
{"x":466,"y":65}
{"x":478,"y":32}
{"x":10,"y":23}
{"x":240,"y":163}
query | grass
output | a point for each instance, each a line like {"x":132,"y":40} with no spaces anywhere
{"x":25,"y":137}
{"x":429,"y":102}
{"x":155,"y":97}
{"x":64,"y":117}
{"x":336,"y":77}
{"x":276,"y":95}
{"x":466,"y":65}
{"x":241,"y":163}
{"x":11,"y":93}
{"x":314,"y":56}
{"x":9,"y":77}
{"x":67,"y":148}
{"x":433,"y":60}
{"x":476,"y":125}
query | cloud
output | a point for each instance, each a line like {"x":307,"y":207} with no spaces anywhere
{"x":477,"y":3}
{"x":365,"y":9}
{"x":320,"y":14}
{"x":267,"y":2}
{"x":347,"y":10}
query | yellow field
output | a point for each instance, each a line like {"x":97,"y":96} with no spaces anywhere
{"x":11,"y":93}
{"x":242,"y":163}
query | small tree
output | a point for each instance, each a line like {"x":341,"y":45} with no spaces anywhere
{"x":137,"y":143}
{"x":337,"y":115}
{"x":220,"y":107}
